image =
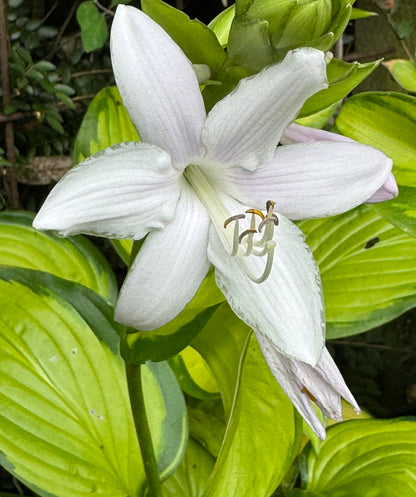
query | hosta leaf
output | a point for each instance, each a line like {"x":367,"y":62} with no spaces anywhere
{"x":66,"y":427}
{"x":387,"y":121}
{"x":191,"y":476}
{"x":367,"y":268}
{"x":197,"y":41}
{"x":261,"y":437}
{"x":193,"y":374}
{"x":105,"y":123}
{"x":342,"y":78}
{"x":363,"y":457}
{"x":404,"y":72}
{"x":74,"y":258}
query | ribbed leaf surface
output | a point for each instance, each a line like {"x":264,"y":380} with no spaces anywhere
{"x":74,"y":258}
{"x":66,"y":427}
{"x":367,"y":267}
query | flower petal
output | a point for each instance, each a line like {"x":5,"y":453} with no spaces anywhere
{"x":314,"y":179}
{"x":245,"y":127}
{"x":295,"y":133}
{"x":168,"y":270}
{"x":287,"y":307}
{"x":158,"y":85}
{"x":123,"y":192}
{"x":301,"y":381}
{"x":387,"y":191}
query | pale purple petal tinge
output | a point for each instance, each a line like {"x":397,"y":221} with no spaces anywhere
{"x":314,"y":179}
{"x":295,"y":133}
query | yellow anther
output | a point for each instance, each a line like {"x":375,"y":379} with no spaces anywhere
{"x":255,"y":211}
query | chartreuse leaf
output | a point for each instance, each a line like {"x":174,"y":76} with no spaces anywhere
{"x":387,"y":121}
{"x":74,"y":258}
{"x":66,"y":426}
{"x":191,"y":476}
{"x":365,"y":457}
{"x":105,"y":123}
{"x":261,"y":437}
{"x":193,"y":374}
{"x":221,"y":24}
{"x":163,"y":343}
{"x":94,"y":30}
{"x":367,"y":268}
{"x":404,"y":72}
{"x":197,"y":41}
{"x":342,"y":78}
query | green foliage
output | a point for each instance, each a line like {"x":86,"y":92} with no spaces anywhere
{"x":342,"y":78}
{"x":49,"y":72}
{"x":367,"y":268}
{"x":272,"y":28}
{"x":261,"y":422}
{"x":404,"y":72}
{"x":197,"y":41}
{"x":105,"y":123}
{"x":167,"y":341}
{"x":67,"y":428}
{"x":74,"y":258}
{"x":387,"y":121}
{"x":94,"y":30}
{"x":191,"y":476}
{"x":363,"y":457}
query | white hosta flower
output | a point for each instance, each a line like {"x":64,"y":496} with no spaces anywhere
{"x":194,"y":173}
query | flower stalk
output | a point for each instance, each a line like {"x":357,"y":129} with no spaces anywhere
{"x":141,"y":423}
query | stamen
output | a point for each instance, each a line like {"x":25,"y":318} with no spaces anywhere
{"x":233,"y":218}
{"x":246,"y":233}
{"x":245,"y":244}
{"x":273,"y":219}
{"x":255,"y":211}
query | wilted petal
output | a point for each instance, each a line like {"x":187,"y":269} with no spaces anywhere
{"x":387,"y":191}
{"x":168,"y":270}
{"x":301,"y":382}
{"x":315,"y":179}
{"x":245,"y":127}
{"x":288,"y":306}
{"x":123,"y":192}
{"x":158,"y":85}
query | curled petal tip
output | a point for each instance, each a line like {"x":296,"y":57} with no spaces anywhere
{"x":387,"y":191}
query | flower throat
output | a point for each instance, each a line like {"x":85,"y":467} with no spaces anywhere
{"x":256,"y":241}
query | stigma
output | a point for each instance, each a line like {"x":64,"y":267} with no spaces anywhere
{"x":256,"y":240}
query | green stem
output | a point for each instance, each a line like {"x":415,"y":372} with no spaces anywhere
{"x":135,"y":386}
